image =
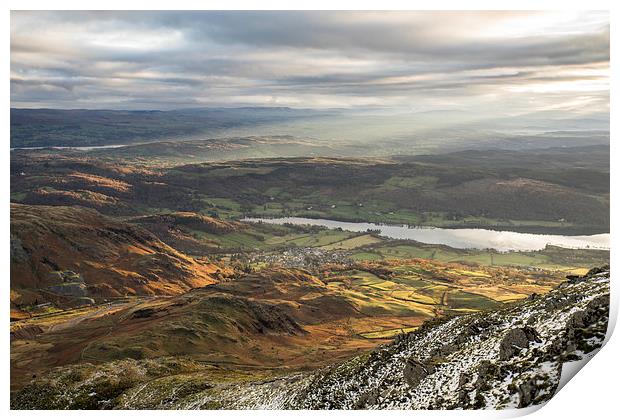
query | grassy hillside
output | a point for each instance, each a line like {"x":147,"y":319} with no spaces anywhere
{"x":570,"y":196}
{"x":64,"y":254}
{"x":275,"y":318}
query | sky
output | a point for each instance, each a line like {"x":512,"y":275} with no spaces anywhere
{"x":501,"y":63}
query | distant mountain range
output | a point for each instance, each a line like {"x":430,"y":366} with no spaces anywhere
{"x":82,"y":127}
{"x":380,"y":132}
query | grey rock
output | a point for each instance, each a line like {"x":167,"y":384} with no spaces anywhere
{"x":515,"y":340}
{"x":70,"y":289}
{"x":414,"y":372}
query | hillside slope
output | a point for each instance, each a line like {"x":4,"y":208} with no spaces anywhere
{"x":279,"y":319}
{"x":508,"y":358}
{"x":503,"y":359}
{"x":66,"y":252}
{"x":453,"y":191}
{"x":181,"y":230}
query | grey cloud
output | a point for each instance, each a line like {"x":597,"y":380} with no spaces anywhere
{"x":171,"y":59}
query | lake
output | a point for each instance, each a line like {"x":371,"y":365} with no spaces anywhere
{"x":82,"y":148}
{"x":457,"y":238}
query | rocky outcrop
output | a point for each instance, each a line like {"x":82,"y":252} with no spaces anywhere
{"x":414,"y":372}
{"x":70,"y":289}
{"x":508,"y":358}
{"x":516,"y":340}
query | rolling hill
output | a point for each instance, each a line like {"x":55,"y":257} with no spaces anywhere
{"x":61,"y":253}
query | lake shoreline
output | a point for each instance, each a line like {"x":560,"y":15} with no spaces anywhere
{"x":533,"y":229}
{"x":461,"y":238}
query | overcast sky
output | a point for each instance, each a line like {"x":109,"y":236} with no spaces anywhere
{"x":497,"y":62}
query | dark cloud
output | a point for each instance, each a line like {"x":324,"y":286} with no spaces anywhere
{"x":308,"y":59}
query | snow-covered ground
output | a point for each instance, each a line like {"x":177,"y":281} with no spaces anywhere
{"x":515,"y":357}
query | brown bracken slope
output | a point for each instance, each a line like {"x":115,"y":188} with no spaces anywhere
{"x":55,"y":249}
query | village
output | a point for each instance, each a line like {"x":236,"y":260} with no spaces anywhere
{"x":300,"y":257}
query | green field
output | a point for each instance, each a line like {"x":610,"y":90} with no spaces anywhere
{"x":551,"y":258}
